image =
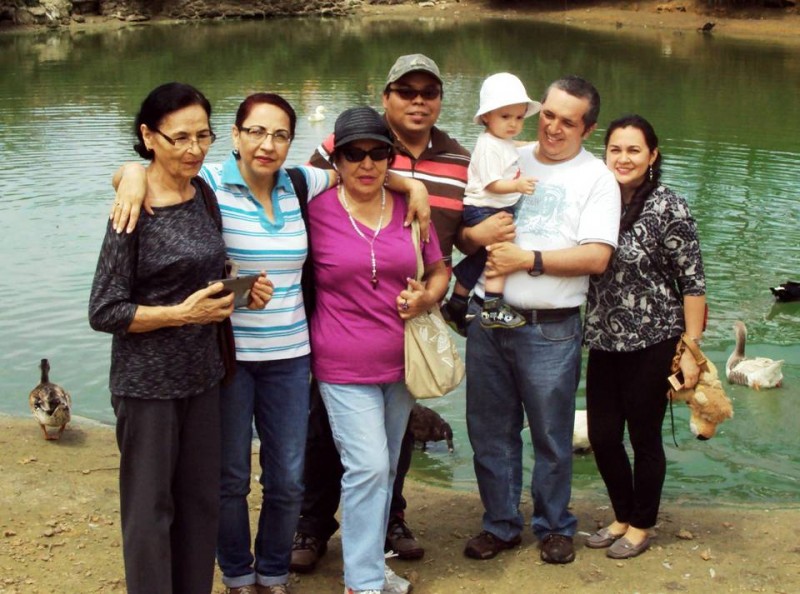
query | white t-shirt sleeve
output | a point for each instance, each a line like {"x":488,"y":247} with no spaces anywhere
{"x":599,"y":221}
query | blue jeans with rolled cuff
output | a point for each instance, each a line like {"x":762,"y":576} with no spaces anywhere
{"x":275,"y":395}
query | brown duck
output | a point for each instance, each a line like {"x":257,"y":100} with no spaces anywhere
{"x":50,"y":404}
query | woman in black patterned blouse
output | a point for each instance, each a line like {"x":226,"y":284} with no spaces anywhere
{"x":652,"y":292}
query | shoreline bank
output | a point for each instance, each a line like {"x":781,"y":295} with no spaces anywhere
{"x":60,"y":533}
{"x":760,"y":24}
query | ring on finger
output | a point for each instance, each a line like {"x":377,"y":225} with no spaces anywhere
{"x":404,"y":305}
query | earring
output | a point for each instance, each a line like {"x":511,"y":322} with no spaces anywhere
{"x":650,"y":173}
{"x":236,"y":153}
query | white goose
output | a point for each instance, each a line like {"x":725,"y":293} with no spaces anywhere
{"x":755,"y":372}
{"x":318,"y":115}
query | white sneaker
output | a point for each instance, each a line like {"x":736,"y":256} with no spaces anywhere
{"x":394,"y":584}
{"x":349,"y":591}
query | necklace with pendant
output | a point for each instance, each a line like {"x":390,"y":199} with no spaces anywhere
{"x":371,"y":242}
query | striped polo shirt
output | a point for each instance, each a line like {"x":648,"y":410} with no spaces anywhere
{"x":442,"y":167}
{"x":279,"y":331}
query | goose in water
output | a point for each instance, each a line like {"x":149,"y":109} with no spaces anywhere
{"x":50,"y":404}
{"x":755,"y":372}
{"x":318,"y":115}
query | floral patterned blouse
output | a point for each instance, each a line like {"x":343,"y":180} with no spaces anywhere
{"x":632,"y":305}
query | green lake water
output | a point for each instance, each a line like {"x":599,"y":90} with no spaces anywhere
{"x":727,"y":114}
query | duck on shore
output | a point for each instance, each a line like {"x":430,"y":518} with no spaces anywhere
{"x":50,"y":404}
{"x":755,"y":372}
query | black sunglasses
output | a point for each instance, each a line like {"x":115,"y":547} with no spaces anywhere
{"x":410,"y":93}
{"x":356,"y":155}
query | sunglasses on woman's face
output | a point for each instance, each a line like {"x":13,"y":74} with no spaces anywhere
{"x":356,"y":155}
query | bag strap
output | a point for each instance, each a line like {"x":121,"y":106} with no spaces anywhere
{"x":210,"y":200}
{"x":307,"y":279}
{"x":415,"y":235}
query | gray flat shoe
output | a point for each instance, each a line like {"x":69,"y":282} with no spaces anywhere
{"x":625,"y":549}
{"x":602,"y":539}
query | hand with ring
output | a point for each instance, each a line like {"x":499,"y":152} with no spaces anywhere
{"x":404,"y":305}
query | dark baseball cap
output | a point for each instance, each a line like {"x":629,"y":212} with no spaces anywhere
{"x":413,"y":63}
{"x":360,"y":123}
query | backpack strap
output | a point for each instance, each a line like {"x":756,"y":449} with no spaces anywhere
{"x":307,"y":282}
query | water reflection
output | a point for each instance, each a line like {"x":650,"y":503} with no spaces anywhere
{"x":726,"y":112}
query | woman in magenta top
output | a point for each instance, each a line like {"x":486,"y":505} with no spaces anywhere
{"x":364,"y":265}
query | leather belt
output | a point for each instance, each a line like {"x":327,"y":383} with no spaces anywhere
{"x":540,"y":316}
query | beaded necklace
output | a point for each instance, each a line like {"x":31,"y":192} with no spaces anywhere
{"x":371,"y":242}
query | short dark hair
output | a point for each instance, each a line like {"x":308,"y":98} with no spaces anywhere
{"x":582,"y":89}
{"x":653,"y":179}
{"x":161,"y":102}
{"x":246,"y":106}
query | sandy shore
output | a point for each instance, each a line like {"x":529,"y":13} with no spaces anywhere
{"x":60,"y":533}
{"x":777,"y":26}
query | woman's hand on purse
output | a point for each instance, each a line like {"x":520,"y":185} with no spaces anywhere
{"x":413,"y":301}
{"x":261,"y":293}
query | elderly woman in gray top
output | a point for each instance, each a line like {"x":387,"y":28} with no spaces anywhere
{"x":151,"y":291}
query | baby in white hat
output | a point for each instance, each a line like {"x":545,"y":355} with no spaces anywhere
{"x":494,"y":184}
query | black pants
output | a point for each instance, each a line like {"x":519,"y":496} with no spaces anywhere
{"x":323,"y":474}
{"x":169,"y":492}
{"x":630,"y":388}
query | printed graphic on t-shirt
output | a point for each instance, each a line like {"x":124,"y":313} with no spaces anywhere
{"x":542,"y":213}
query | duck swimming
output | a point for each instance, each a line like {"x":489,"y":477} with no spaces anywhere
{"x":50,"y":404}
{"x":318,"y":115}
{"x":755,"y":372}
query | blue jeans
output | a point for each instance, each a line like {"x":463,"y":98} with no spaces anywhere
{"x":534,"y":371}
{"x":470,"y":269}
{"x":276,"y":394}
{"x":368,"y":422}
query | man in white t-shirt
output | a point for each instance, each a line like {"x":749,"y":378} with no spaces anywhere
{"x":566,"y":230}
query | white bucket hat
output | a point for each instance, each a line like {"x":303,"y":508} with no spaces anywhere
{"x":503,"y":89}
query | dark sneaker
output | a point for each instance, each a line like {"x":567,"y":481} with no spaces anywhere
{"x":400,"y":540}
{"x":307,"y":550}
{"x":498,"y":314}
{"x":454,"y":313}
{"x":486,"y":545}
{"x":557,"y":548}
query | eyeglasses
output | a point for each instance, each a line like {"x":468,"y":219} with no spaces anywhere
{"x":184,"y":141}
{"x":410,"y":93}
{"x":259,"y":134}
{"x":356,"y":155}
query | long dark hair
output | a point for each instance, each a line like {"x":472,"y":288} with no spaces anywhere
{"x":651,"y":182}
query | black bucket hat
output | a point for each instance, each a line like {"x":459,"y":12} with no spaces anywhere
{"x":360,"y":123}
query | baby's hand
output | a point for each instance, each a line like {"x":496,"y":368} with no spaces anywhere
{"x":526,"y":185}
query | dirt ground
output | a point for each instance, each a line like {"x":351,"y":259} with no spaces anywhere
{"x":59,"y":532}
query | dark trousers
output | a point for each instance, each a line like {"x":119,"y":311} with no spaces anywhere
{"x":630,"y":388}
{"x":169,"y":491}
{"x":323,"y":474}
